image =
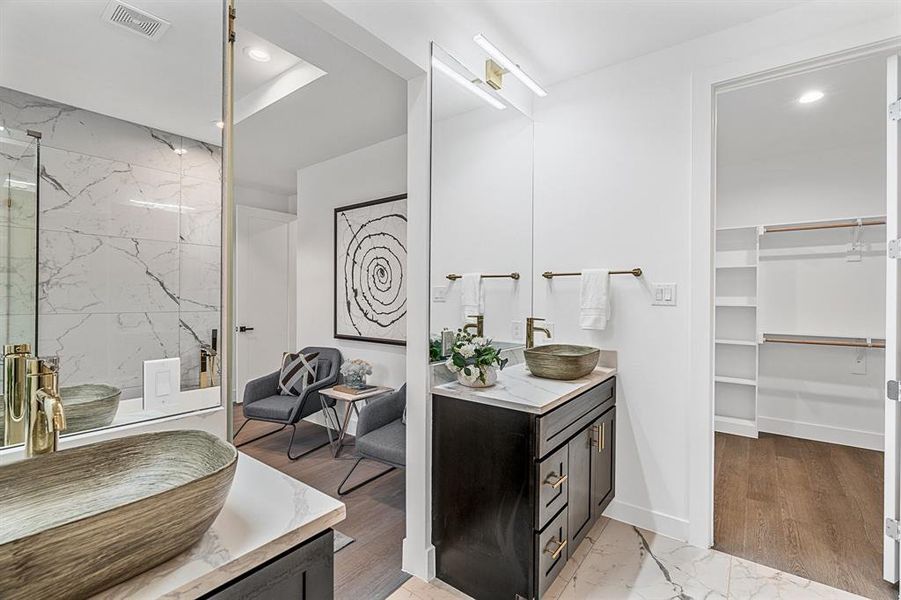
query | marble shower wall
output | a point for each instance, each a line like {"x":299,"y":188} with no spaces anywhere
{"x":129,"y":247}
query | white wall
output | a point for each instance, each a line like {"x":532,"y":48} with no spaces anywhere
{"x":259,"y":198}
{"x":373,"y":172}
{"x":482,"y":197}
{"x":613,"y":174}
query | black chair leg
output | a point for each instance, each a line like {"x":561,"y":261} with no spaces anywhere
{"x":362,"y":483}
{"x":305,"y":452}
{"x":259,"y":437}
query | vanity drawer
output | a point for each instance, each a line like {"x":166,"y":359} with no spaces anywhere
{"x":551,"y":551}
{"x":557,"y":426}
{"x":553,"y":485}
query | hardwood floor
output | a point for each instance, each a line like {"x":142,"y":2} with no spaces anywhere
{"x":808,"y":508}
{"x":368,"y":569}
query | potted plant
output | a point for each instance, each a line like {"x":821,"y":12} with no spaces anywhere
{"x":355,"y":372}
{"x":475,"y":361}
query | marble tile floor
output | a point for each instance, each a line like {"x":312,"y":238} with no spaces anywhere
{"x":621,"y":562}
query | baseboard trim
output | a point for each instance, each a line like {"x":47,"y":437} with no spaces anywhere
{"x":857,"y":438}
{"x":417,"y":564}
{"x":742,"y":427}
{"x":645,"y":518}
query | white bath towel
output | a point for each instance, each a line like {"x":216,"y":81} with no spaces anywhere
{"x":472,"y":300}
{"x":594,"y":307}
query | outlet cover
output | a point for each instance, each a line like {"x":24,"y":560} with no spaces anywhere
{"x":516,"y":330}
{"x":664,"y":294}
{"x":439,"y":293}
{"x":162,"y":383}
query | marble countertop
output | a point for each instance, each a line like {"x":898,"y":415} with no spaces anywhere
{"x":518,"y":389}
{"x":266,"y":513}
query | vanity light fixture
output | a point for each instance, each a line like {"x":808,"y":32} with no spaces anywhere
{"x":180,"y":151}
{"x":469,"y":85}
{"x":258,"y":54}
{"x":811,"y":96}
{"x":504,"y":61}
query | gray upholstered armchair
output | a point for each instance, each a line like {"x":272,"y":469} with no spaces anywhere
{"x":381,"y":435}
{"x":263,"y":402}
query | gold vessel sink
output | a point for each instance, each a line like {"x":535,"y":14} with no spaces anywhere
{"x":561,"y":361}
{"x":78,"y":521}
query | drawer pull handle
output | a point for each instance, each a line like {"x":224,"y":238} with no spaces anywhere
{"x":558,"y":483}
{"x":602,"y":436}
{"x":560,"y":546}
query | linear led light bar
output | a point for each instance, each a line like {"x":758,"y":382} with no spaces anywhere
{"x":484,"y":95}
{"x":504,"y":61}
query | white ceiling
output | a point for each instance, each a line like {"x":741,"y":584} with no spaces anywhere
{"x":357,"y":104}
{"x":765,"y":120}
{"x":63,"y":51}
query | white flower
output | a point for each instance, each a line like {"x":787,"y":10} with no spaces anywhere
{"x":479,"y":341}
{"x":467,"y":350}
{"x":450,"y":365}
{"x":473,"y":374}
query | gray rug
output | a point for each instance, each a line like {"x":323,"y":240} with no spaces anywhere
{"x":342,"y":541}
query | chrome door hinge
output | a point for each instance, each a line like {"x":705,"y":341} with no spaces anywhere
{"x":894,"y":110}
{"x":892,"y":530}
{"x":894,"y":249}
{"x":892,"y":389}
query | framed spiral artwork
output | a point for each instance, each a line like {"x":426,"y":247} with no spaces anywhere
{"x":371,"y":271}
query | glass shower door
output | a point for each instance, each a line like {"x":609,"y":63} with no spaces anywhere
{"x":19,"y":173}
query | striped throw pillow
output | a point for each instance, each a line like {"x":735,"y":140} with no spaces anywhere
{"x":298,"y":371}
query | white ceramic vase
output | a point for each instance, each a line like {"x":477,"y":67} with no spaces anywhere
{"x":490,"y":378}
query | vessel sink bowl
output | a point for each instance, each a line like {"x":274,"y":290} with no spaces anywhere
{"x":78,"y":521}
{"x":88,"y":406}
{"x":561,"y":361}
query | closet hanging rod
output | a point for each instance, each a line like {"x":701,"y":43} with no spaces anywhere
{"x":834,"y":225}
{"x":513,"y":275}
{"x":550,"y":275}
{"x":825,"y":341}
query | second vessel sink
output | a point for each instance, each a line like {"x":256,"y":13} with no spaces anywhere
{"x":88,"y":406}
{"x":561,"y":361}
{"x":78,"y":521}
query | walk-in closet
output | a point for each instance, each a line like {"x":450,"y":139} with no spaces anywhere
{"x":800,"y":317}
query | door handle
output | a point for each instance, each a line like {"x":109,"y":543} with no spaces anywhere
{"x":602,"y":437}
{"x":243,"y":329}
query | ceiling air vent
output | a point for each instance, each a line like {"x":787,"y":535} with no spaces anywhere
{"x":135,"y":20}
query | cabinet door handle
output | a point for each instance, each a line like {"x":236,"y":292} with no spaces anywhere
{"x":558,"y":483}
{"x":602,"y":436}
{"x":560,"y":546}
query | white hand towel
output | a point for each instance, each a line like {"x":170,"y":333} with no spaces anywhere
{"x":594,"y":307}
{"x":473,"y":296}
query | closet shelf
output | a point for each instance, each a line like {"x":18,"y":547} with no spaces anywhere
{"x":736,"y":266}
{"x":735,"y":380}
{"x":727,"y":342}
{"x":736,"y":301}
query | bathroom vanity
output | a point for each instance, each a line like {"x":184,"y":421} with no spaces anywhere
{"x":520,"y":473}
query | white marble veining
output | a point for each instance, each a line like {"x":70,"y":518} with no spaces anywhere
{"x":617,"y":561}
{"x":201,"y":160}
{"x":518,"y":389}
{"x":266,"y":513}
{"x":199,"y":277}
{"x":200,"y":208}
{"x":195,"y":328}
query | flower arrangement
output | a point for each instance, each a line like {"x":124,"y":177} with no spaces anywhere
{"x":355,"y":372}
{"x":474,"y":360}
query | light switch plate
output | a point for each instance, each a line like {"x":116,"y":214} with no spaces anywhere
{"x":439,"y":293}
{"x":664,"y":294}
{"x":162,"y":383}
{"x":516,"y":330}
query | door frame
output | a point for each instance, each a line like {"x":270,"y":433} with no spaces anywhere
{"x":242,"y":212}
{"x":819,"y":52}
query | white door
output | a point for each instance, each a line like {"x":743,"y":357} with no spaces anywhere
{"x":264,"y":294}
{"x":892,"y":325}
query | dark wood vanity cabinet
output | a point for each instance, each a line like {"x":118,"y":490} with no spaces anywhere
{"x":514,"y":493}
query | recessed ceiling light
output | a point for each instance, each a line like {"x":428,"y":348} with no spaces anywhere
{"x":257,"y":54}
{"x":219,"y":124}
{"x":180,"y":151}
{"x":811,"y":96}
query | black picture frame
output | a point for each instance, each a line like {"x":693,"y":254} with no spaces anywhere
{"x":338,"y":277}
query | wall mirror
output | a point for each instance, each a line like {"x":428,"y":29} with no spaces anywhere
{"x":110,"y":223}
{"x":481,"y":206}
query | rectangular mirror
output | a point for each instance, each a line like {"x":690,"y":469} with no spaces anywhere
{"x":481,"y":207}
{"x":110,"y":117}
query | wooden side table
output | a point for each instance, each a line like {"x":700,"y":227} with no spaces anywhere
{"x":351,"y":401}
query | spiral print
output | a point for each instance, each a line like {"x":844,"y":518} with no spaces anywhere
{"x":374,"y":257}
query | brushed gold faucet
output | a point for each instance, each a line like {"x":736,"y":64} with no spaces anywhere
{"x":14,"y":398}
{"x":479,"y":325}
{"x":531,"y":329}
{"x":44,"y":413}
